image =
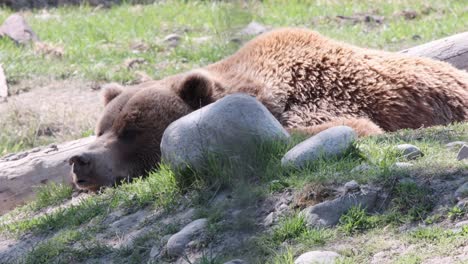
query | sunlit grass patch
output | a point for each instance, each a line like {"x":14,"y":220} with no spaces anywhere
{"x":157,"y":189}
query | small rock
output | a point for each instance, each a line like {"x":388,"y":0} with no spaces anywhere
{"x":328,"y":213}
{"x":406,"y":180}
{"x":379,"y":257}
{"x":455,"y":144}
{"x":172,"y":40}
{"x":283,"y":209}
{"x":409,"y":14}
{"x":142,"y":77}
{"x":49,"y":49}
{"x":16,"y":28}
{"x":409,"y":151}
{"x":402,"y":165}
{"x":317,"y":257}
{"x":362,"y":168}
{"x":352,"y":186}
{"x":45,"y":15}
{"x":463,"y":153}
{"x":416,"y":37}
{"x":330,"y":143}
{"x":3,"y":85}
{"x":201,"y":40}
{"x":462,"y":192}
{"x":253,"y":29}
{"x":462,"y":224}
{"x":270,"y":219}
{"x":139,"y":46}
{"x":155,"y":252}
{"x":177,"y":242}
{"x":134,"y":62}
{"x":233,"y":126}
{"x":127,"y":222}
{"x":236,"y":40}
{"x":236,"y":261}
{"x":463,"y":203}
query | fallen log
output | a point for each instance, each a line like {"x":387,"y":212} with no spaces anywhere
{"x":20,"y":174}
{"x":453,"y":49}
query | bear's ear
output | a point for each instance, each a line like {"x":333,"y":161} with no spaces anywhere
{"x":111,"y":91}
{"x":196,"y":89}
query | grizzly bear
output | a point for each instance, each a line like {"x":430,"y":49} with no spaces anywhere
{"x":307,"y":81}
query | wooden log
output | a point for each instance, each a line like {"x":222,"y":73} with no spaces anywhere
{"x":22,"y":173}
{"x":453,"y":49}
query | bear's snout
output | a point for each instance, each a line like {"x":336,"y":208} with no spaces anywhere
{"x":80,"y":160}
{"x":81,"y":168}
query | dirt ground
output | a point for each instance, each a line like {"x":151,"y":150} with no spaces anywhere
{"x":62,"y":109}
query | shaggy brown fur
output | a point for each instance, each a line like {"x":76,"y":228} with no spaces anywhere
{"x":307,"y":81}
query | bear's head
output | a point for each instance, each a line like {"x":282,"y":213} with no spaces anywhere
{"x":129,"y":132}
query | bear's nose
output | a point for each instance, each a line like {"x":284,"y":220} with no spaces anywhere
{"x":80,"y":160}
{"x":81,"y":166}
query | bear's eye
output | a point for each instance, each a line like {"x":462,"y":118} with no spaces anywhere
{"x":129,"y":135}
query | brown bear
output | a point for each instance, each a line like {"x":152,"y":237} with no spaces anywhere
{"x":307,"y":81}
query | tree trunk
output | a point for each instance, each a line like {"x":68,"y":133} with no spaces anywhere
{"x":22,"y":173}
{"x":453,"y":49}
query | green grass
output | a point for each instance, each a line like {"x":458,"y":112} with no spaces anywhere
{"x":455,"y":213}
{"x":60,"y":249}
{"x":286,"y":257}
{"x":280,"y":245}
{"x":356,"y":220}
{"x":106,"y":36}
{"x":52,"y":194}
{"x":289,"y":228}
{"x":436,"y":234}
{"x":158,"y":189}
{"x":411,"y":201}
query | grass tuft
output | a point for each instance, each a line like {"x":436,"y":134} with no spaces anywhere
{"x":356,"y":220}
{"x":411,"y":201}
{"x":52,"y":194}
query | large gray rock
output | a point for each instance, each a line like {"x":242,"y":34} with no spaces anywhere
{"x":317,"y":257}
{"x":16,"y":28}
{"x":328,"y":213}
{"x":177,"y":243}
{"x":409,"y":151}
{"x":330,"y":143}
{"x":231,"y":127}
